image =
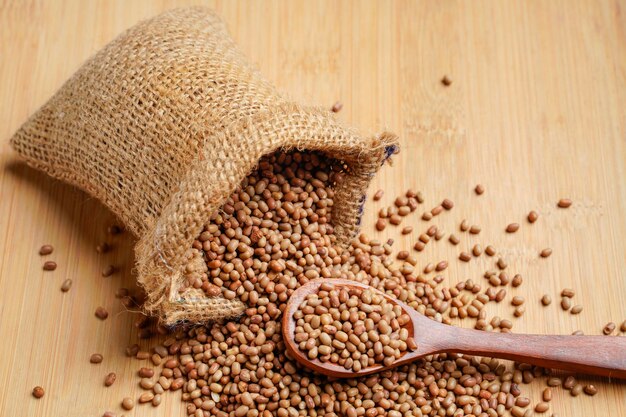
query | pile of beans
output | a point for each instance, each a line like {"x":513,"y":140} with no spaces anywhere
{"x":354,"y":328}
{"x":273,"y":235}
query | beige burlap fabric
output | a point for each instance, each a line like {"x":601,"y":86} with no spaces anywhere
{"x":162,"y":125}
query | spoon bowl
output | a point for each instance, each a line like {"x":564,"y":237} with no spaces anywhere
{"x":598,"y":355}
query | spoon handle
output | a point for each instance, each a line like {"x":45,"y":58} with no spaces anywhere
{"x":598,"y":355}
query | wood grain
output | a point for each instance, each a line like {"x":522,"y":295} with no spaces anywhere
{"x":535,"y":112}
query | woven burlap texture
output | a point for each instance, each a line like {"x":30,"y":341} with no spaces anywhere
{"x":162,"y":125}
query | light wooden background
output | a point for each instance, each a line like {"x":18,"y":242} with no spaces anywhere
{"x":535,"y":112}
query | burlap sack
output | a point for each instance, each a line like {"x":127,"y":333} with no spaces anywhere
{"x":162,"y":125}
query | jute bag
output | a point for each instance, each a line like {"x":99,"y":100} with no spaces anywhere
{"x":162,"y":125}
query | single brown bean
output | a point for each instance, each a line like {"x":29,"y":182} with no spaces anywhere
{"x":542,"y":407}
{"x":67,"y":284}
{"x":436,"y":210}
{"x":569,"y":382}
{"x":441,"y":266}
{"x":128,"y":403}
{"x":518,"y":300}
{"x":546,"y":300}
{"x":576,"y":390}
{"x":545,"y":252}
{"x":146,"y":397}
{"x":49,"y":266}
{"x":479,"y":189}
{"x":101,"y":313}
{"x":532,"y":216}
{"x":46,"y":250}
{"x":336,"y":108}
{"x":103,"y":247}
{"x":453,"y":239}
{"x":564,"y":203}
{"x":115,"y":229}
{"x":609,"y":328}
{"x":566,"y":303}
{"x":590,"y":389}
{"x":512,"y":228}
{"x":110,"y":379}
{"x":501,"y":263}
{"x":490,"y":250}
{"x":447,"y":204}
{"x":554,"y":382}
{"x":576,"y":309}
{"x":547,"y":394}
{"x":95,"y":358}
{"x":38,"y":392}
{"x":108,"y":270}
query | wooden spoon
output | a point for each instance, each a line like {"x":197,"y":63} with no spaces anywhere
{"x":598,"y":355}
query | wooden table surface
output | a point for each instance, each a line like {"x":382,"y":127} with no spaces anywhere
{"x":535,"y":112}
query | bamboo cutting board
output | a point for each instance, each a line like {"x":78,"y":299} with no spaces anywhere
{"x":535,"y":112}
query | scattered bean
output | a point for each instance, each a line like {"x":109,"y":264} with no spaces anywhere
{"x":110,"y":379}
{"x":564,"y":203}
{"x":108,"y":270}
{"x":102,"y":313}
{"x":512,"y":228}
{"x":609,"y":328}
{"x":576,"y":309}
{"x":569,"y":382}
{"x":46,"y":250}
{"x":465,"y":257}
{"x":49,"y":266}
{"x":545,"y":252}
{"x":590,"y":389}
{"x":337,"y":107}
{"x":67,"y":284}
{"x":128,"y":403}
{"x":38,"y":392}
{"x":96,"y":358}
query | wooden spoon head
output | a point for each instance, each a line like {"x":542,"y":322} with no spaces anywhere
{"x":328,"y":368}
